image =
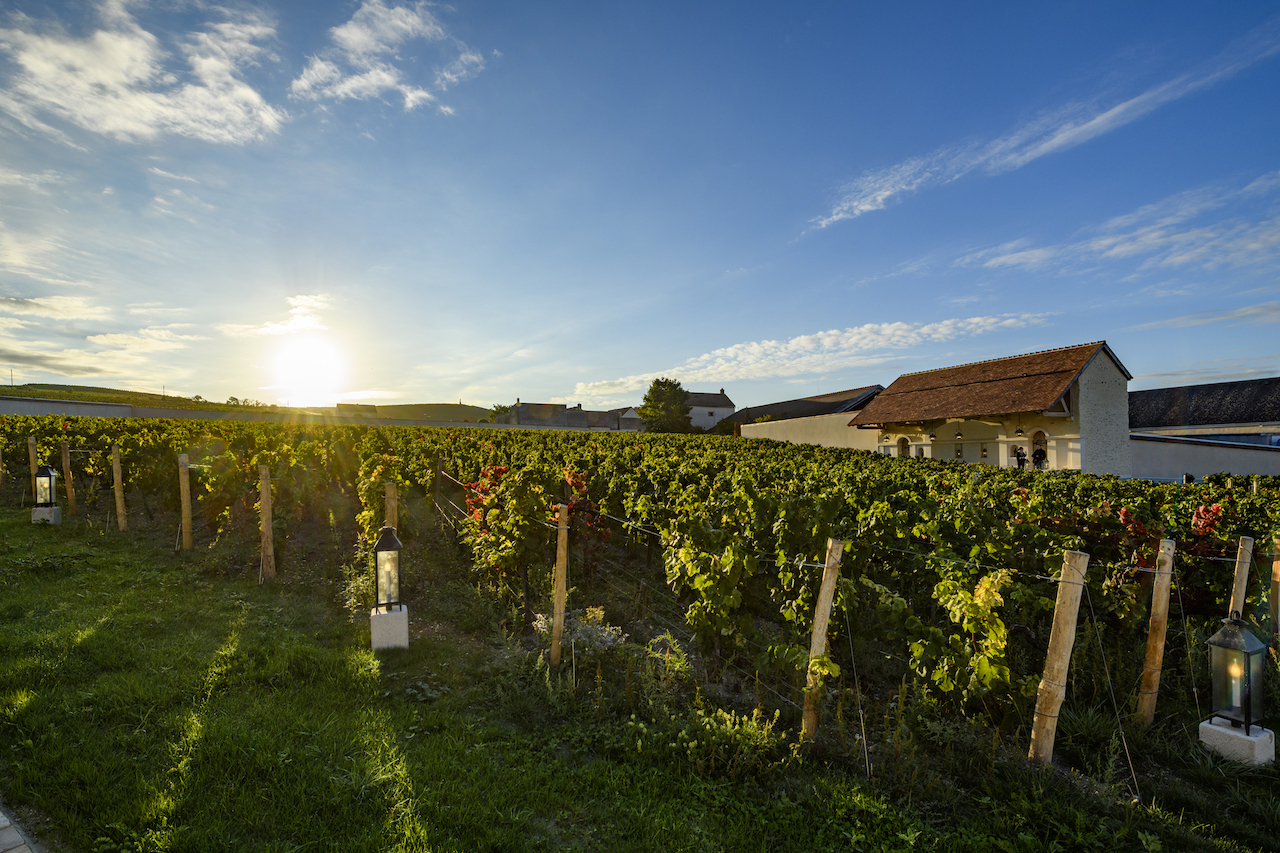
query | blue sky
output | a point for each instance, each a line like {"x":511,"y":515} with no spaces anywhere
{"x":397,"y":202}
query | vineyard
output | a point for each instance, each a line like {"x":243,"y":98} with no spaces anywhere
{"x":695,"y":568}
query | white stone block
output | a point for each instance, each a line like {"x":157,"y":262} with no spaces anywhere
{"x":49,"y":514}
{"x":1257,"y":747}
{"x":389,"y":627}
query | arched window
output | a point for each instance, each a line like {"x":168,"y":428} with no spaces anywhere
{"x":904,"y":447}
{"x":1039,"y":450}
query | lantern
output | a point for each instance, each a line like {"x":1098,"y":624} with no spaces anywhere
{"x":387,"y":567}
{"x":46,"y":496}
{"x":1235,"y":670}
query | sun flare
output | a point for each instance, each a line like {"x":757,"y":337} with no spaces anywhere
{"x":309,"y":371}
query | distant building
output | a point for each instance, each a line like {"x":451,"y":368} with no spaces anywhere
{"x":835,"y":403}
{"x":1246,"y":412}
{"x":561,"y":416}
{"x":1062,"y":408}
{"x":707,"y":410}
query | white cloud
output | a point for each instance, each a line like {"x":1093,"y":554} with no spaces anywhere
{"x":10,"y":178}
{"x":1260,"y":314}
{"x":360,"y":64}
{"x":823,"y":352}
{"x":1176,"y":231}
{"x":154,"y":339}
{"x":55,"y":307}
{"x":1212,"y":370}
{"x":1057,"y":130}
{"x":163,"y":174}
{"x":302,"y":318}
{"x":119,"y":80}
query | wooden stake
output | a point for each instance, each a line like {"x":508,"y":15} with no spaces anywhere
{"x":184,"y":489}
{"x":561,"y":584}
{"x":1244,"y":553}
{"x":66,"y":475}
{"x":1275,"y":582}
{"x":31,"y":454}
{"x":1150,"y":686}
{"x":119,"y":488}
{"x":264,"y":522}
{"x":1253,"y":486}
{"x":392,"y":505}
{"x":818,"y":642}
{"x":1053,"y":686}
{"x":1,"y":466}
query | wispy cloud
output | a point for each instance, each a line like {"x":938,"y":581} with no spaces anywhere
{"x":302,"y":318}
{"x":119,"y":81}
{"x":359,"y":64}
{"x":10,"y":178}
{"x":55,"y":307}
{"x":1260,"y":314}
{"x":1053,"y":131}
{"x":820,"y":353}
{"x":1176,"y":231}
{"x":153,"y":339}
{"x":1213,"y":370}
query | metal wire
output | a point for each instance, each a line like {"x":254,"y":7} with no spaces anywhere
{"x":1106,"y":670}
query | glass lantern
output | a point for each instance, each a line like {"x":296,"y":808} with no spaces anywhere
{"x":387,"y":567}
{"x":1235,"y":670}
{"x":46,"y":495}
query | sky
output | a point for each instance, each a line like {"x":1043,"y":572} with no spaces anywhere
{"x":388,"y":202}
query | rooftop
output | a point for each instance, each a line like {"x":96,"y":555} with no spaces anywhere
{"x":1022,"y":383}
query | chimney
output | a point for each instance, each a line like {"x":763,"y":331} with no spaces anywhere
{"x":721,"y":390}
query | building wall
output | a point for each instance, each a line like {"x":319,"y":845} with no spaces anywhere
{"x":826,"y":430}
{"x":1166,"y":458}
{"x":41,"y":406}
{"x":1102,"y":408}
{"x":705,"y":417}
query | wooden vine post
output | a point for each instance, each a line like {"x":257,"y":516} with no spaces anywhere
{"x":1150,"y":686}
{"x":31,"y":455}
{"x":561,"y":583}
{"x":66,"y":475}
{"x":264,"y":522}
{"x":119,"y":488}
{"x":392,"y":505}
{"x":1,"y":466}
{"x":1244,"y":553}
{"x":184,"y":490}
{"x":818,"y":642}
{"x":1275,"y":583}
{"x":1053,"y":686}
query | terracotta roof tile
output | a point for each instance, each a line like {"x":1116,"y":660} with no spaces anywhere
{"x":1020,"y":383}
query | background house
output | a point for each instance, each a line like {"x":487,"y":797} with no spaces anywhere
{"x":707,"y":410}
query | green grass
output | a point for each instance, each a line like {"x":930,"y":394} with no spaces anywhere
{"x":158,"y":702}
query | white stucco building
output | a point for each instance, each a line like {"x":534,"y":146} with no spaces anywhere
{"x":1065,"y":408}
{"x":707,"y":410}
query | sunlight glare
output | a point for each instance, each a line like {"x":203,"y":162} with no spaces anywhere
{"x":309,"y":372}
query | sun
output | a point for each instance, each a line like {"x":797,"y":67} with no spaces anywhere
{"x":309,"y":371}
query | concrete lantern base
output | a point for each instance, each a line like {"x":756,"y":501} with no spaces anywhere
{"x":1257,"y":747}
{"x":389,"y":627}
{"x":46,"y":515}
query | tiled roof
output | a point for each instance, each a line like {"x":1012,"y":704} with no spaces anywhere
{"x":699,"y":400}
{"x":807,"y":407}
{"x":1021,"y":383}
{"x":1249,"y":401}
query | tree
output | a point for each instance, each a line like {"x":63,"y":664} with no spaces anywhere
{"x":666,"y":407}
